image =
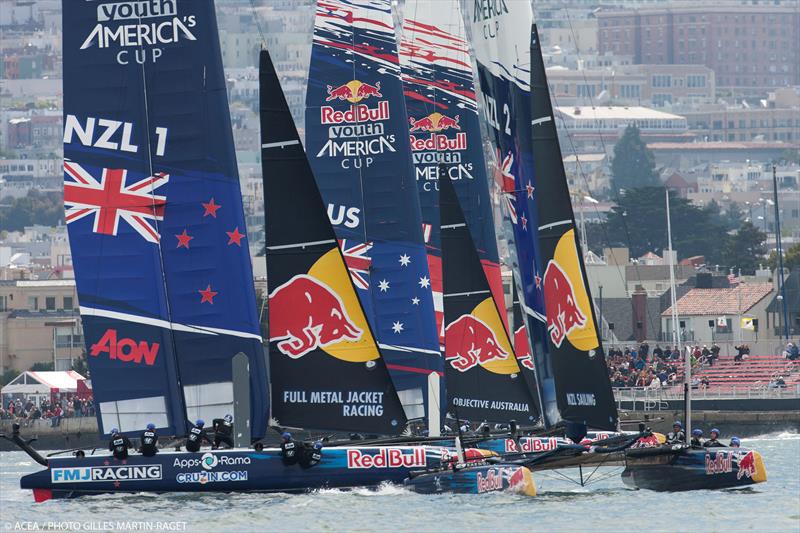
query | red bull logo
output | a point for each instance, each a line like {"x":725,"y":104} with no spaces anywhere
{"x":306,"y":314}
{"x":434,"y":122}
{"x":722,"y":463}
{"x":522,"y":348}
{"x":438,"y":142}
{"x":354,"y":91}
{"x":492,"y":481}
{"x":470,"y":342}
{"x":747,"y":466}
{"x":126,"y":350}
{"x":531,"y":444}
{"x":387,"y":458}
{"x":563,"y":313}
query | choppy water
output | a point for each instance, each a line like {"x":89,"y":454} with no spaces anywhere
{"x":561,"y":505}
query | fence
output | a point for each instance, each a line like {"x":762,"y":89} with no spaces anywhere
{"x":651,"y":399}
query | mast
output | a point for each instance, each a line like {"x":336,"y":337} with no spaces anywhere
{"x":687,"y":387}
{"x":779,"y":251}
{"x":327,"y":370}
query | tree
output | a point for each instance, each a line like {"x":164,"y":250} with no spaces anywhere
{"x":733,"y":217}
{"x":7,"y":376}
{"x":42,"y":367}
{"x":639,"y":220}
{"x":81,"y":365}
{"x":746,"y":249}
{"x":633,"y":164}
{"x":35,"y":208}
{"x":791,"y":258}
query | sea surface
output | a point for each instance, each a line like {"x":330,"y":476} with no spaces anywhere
{"x":562,"y":505}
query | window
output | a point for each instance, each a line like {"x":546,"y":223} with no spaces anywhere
{"x":50,"y":303}
{"x":33,"y":303}
{"x":695,"y":80}
{"x":68,"y":302}
{"x":662,"y":80}
{"x":630,"y":91}
{"x":3,"y":303}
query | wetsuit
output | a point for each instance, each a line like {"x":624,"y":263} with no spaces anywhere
{"x":290,"y":452}
{"x":195,"y":439}
{"x":675,"y":438}
{"x":696,"y":441}
{"x":119,"y":446}
{"x":713,"y":443}
{"x":310,"y":455}
{"x":149,"y":439}
{"x":223,"y":432}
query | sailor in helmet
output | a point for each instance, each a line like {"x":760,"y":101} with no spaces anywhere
{"x":735,"y":442}
{"x":196,"y":437}
{"x":149,"y":441}
{"x":119,"y":444}
{"x":697,"y":434}
{"x":676,"y":436}
{"x":290,"y":450}
{"x":713,"y":442}
{"x":223,"y":431}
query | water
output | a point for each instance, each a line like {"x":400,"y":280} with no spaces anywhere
{"x":561,"y":505}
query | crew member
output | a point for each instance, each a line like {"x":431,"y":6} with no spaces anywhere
{"x":697,"y":434}
{"x":289,"y":449}
{"x":713,"y":442}
{"x":676,"y":436}
{"x":735,"y":442}
{"x":311,"y":455}
{"x":196,"y":437}
{"x":148,"y":441}
{"x":223,"y":431}
{"x":119,"y":444}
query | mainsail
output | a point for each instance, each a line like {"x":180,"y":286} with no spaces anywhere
{"x":357,"y":140}
{"x":444,"y":130}
{"x":327,"y":372}
{"x":555,"y":316}
{"x":155,"y":217}
{"x":484,"y":381}
{"x":579,"y":367}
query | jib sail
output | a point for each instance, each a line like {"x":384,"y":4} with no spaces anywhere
{"x":444,"y":130}
{"x":326,"y":369}
{"x":155,"y":216}
{"x":484,"y":381}
{"x":502,"y":49}
{"x":357,"y":141}
{"x":581,"y":377}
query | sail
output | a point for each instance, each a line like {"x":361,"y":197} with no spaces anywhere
{"x":522,"y":346}
{"x":484,"y":381}
{"x":579,"y":368}
{"x":502,"y":49}
{"x":357,"y":140}
{"x":444,"y":129}
{"x":155,"y":216}
{"x":327,"y":372}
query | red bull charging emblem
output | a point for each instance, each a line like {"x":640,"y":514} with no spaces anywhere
{"x":469,"y":342}
{"x":747,"y":466}
{"x":563,"y":313}
{"x":306,"y":314}
{"x":354,"y":91}
{"x":434,"y":122}
{"x":522,"y":349}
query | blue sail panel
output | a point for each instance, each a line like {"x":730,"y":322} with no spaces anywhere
{"x":502,"y":49}
{"x":357,"y":141}
{"x":444,"y":129}
{"x":154,"y":210}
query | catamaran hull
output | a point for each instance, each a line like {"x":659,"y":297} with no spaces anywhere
{"x":665,"y":469}
{"x":475,"y":480}
{"x":230,"y":471}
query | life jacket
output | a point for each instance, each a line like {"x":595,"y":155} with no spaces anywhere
{"x":290,"y":452}
{"x":149,"y":440}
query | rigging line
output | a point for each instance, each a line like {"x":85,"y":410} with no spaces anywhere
{"x":258,"y":25}
{"x":586,"y":181}
{"x":560,"y":474}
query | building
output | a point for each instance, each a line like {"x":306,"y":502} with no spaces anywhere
{"x":709,"y":315}
{"x":751,"y":48}
{"x":39,"y":323}
{"x":597,"y":128}
{"x":588,"y":172}
{"x":775,"y":318}
{"x":656,"y":85}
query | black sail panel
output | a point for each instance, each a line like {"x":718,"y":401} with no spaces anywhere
{"x":581,"y":378}
{"x":484,"y":381}
{"x":327,"y":371}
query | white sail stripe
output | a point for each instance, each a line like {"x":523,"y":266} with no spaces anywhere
{"x":300,"y":244}
{"x":409,"y":349}
{"x":453,"y":226}
{"x":91,"y":311}
{"x":470,"y":293}
{"x":554,"y":224}
{"x":534,"y":314}
{"x":280,"y":144}
{"x":80,"y":171}
{"x":541,"y":120}
{"x":438,"y":301}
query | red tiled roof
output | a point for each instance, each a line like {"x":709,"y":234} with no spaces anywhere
{"x":730,"y":301}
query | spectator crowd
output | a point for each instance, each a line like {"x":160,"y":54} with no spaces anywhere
{"x":68,"y":406}
{"x":639,"y":367}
